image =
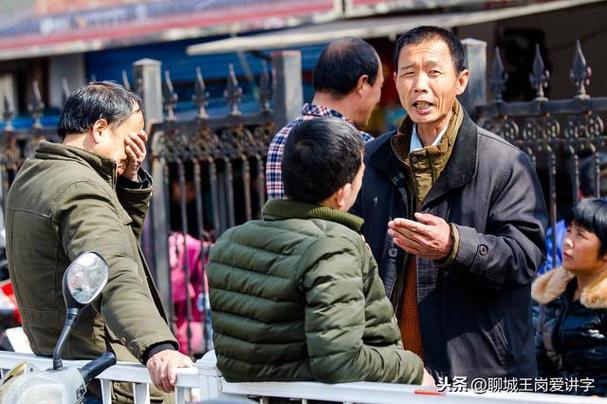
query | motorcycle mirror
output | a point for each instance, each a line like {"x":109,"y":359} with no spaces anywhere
{"x":84,"y":279}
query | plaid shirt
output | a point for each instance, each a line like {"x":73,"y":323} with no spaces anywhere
{"x":274,"y":185}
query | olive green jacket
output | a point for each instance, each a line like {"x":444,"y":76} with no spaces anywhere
{"x":297,"y":296}
{"x":65,"y":201}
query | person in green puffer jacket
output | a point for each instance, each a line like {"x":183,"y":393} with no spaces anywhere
{"x":297,"y":295}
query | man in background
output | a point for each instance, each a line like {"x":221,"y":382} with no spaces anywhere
{"x":348,"y":79}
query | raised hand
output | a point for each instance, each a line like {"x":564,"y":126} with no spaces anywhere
{"x":135,"y":154}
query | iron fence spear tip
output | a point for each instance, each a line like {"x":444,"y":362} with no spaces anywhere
{"x":499,"y":77}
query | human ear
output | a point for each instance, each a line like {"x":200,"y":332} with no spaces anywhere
{"x":99,"y":128}
{"x":462,"y":81}
{"x":342,"y":195}
{"x":360,"y":84}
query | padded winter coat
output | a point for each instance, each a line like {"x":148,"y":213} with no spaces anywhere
{"x":66,"y":201}
{"x":571,"y":338}
{"x":297,"y":296}
{"x":474,"y":312}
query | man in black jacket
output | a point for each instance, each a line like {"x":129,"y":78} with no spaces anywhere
{"x":455,"y":217}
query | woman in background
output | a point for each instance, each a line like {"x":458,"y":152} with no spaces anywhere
{"x":571,"y":338}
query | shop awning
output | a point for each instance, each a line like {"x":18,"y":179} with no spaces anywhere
{"x":372,"y":28}
{"x":35,"y":34}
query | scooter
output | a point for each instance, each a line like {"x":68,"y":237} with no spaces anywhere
{"x":83,"y":281}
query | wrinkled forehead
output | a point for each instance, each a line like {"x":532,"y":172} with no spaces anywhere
{"x":433,"y":51}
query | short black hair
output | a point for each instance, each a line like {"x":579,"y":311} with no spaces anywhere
{"x":588,"y":173}
{"x":97,"y":100}
{"x":591,"y":214}
{"x":423,"y":33}
{"x":342,"y":63}
{"x":320,"y":156}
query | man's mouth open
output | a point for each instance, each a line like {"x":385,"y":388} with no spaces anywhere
{"x":422,"y":106}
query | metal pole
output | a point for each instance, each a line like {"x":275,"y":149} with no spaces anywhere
{"x":476,"y":63}
{"x":148,"y":84}
{"x":288,"y":98}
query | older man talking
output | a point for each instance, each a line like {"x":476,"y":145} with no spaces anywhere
{"x":455,"y":217}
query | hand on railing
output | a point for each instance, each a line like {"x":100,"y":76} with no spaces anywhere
{"x":428,"y":380}
{"x":162,"y":367}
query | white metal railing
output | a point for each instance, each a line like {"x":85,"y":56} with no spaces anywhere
{"x":204,"y":381}
{"x":187,"y":381}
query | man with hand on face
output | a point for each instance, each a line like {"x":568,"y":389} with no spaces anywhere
{"x":455,"y":217}
{"x":90,"y":193}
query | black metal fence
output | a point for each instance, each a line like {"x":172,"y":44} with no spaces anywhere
{"x":223,"y":155}
{"x":17,"y":145}
{"x":209,"y":176}
{"x":557,"y":134}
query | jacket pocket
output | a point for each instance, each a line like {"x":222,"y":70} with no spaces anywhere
{"x":499,"y":339}
{"x":42,"y":328}
{"x":38,"y":316}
